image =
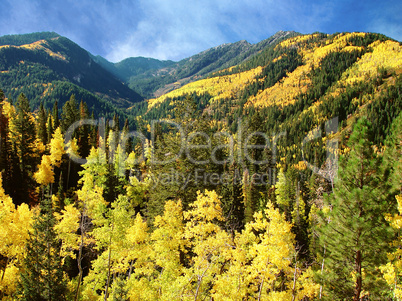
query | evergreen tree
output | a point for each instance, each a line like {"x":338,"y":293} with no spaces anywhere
{"x":393,"y":165}
{"x":70,"y":113}
{"x":127,"y":141}
{"x":50,"y":128}
{"x":24,"y":132}
{"x":42,"y":130}
{"x":23,"y":137}
{"x":257,"y":162}
{"x":393,"y":155}
{"x":354,"y":232}
{"x":55,"y":115}
{"x":5,"y":146}
{"x":83,"y":132}
{"x":42,"y":275}
{"x":93,"y":135}
{"x":178,"y":155}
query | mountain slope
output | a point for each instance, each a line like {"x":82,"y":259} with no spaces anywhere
{"x":296,"y":61}
{"x":38,"y":68}
{"x":159,"y":81}
{"x":301,"y":83}
{"x":132,"y":66}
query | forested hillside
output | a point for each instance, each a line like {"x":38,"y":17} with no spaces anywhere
{"x":278,"y":178}
{"x":47,"y":67}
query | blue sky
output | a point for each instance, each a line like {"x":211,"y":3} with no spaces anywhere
{"x":176,"y":29}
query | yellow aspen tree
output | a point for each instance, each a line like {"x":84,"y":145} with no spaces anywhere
{"x":57,"y":147}
{"x":15,"y":224}
{"x":168,"y":244}
{"x":262,"y":263}
{"x":207,"y":241}
{"x":91,"y":205}
{"x":72,"y":148}
{"x":305,"y":286}
{"x":109,"y":233}
{"x":233,"y":284}
{"x":96,"y":166}
{"x":45,"y":175}
{"x":271,"y":256}
{"x":139,"y":282}
{"x":66,"y":229}
{"x":72,"y":152}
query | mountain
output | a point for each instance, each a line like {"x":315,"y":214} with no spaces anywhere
{"x":156,"y":83}
{"x":300,"y":82}
{"x":133,"y":66}
{"x":284,"y":76}
{"x":151,"y":77}
{"x":48,"y":67}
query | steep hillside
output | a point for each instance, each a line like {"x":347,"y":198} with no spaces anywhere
{"x":42,"y":65}
{"x":158,"y":82}
{"x":300,"y":83}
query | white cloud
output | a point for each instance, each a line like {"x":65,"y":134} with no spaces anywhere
{"x":175,"y":29}
{"x":170,"y":29}
{"x":178,"y":29}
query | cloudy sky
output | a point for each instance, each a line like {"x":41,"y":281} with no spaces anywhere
{"x":176,"y":29}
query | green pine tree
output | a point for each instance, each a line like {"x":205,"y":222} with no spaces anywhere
{"x":83,"y":131}
{"x":23,"y":139}
{"x":69,"y":114}
{"x":55,"y":114}
{"x":42,"y":130}
{"x":50,"y":129}
{"x":6,"y":166}
{"x":393,"y":155}
{"x":42,"y":274}
{"x":354,"y":233}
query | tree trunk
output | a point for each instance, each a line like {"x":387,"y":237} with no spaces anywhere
{"x":131,"y":270}
{"x":322,"y":270}
{"x":260,"y":290}
{"x":79,"y":259}
{"x":294,"y":280}
{"x":2,"y":277}
{"x":109,"y":265}
{"x":358,"y":270}
{"x":68,"y":173}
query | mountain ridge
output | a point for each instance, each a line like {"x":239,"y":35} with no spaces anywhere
{"x":266,"y":69}
{"x":147,"y":76}
{"x":155,"y":82}
{"x":40,"y":68}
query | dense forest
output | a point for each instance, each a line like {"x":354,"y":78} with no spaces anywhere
{"x":276,"y":179}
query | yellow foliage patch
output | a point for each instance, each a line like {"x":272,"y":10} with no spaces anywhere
{"x":45,"y":174}
{"x":220,"y":87}
{"x":386,"y":54}
{"x":285,"y":91}
{"x":296,"y":40}
{"x":339,"y":43}
{"x":48,"y":87}
{"x":38,"y":45}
